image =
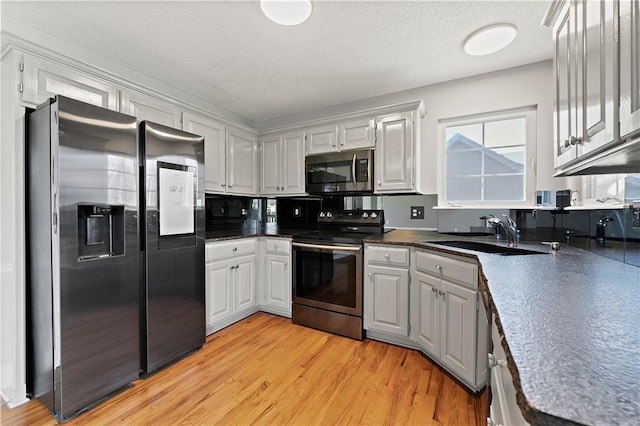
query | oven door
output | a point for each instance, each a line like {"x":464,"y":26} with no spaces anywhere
{"x":328,"y":276}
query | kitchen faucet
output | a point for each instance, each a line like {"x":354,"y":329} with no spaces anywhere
{"x":509,"y":226}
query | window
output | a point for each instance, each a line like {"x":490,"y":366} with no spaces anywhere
{"x":485,"y":158}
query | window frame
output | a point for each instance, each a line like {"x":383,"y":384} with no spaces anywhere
{"x":530,"y":115}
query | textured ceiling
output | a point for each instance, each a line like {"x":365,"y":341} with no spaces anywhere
{"x":229,"y":54}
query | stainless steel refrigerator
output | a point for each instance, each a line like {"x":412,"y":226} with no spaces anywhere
{"x":115,"y":251}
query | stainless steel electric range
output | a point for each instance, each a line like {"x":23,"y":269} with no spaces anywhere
{"x":328,"y":271}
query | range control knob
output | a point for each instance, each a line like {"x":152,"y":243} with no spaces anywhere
{"x":321,"y":214}
{"x":374,"y":215}
{"x":329,"y":215}
{"x":365,"y":215}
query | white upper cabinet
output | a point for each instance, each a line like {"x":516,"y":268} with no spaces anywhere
{"x":629,"y":68}
{"x":283,"y":164}
{"x":320,"y":140}
{"x":395,"y":156}
{"x":271,"y":158}
{"x":292,"y":163}
{"x":214,"y":134}
{"x":230,"y":156}
{"x":44,"y":79}
{"x":595,"y":54}
{"x":356,"y":134}
{"x":596,"y":37}
{"x":242,"y":162}
{"x":147,"y":108}
{"x":346,"y":135}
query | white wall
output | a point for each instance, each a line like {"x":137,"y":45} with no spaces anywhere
{"x":516,"y":87}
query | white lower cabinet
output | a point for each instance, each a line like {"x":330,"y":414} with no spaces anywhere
{"x":386,"y":290}
{"x":276,"y":287}
{"x":387,"y":300}
{"x":446,"y":323}
{"x":503,"y":406}
{"x":449,"y":320}
{"x":429,"y":302}
{"x":230,"y":282}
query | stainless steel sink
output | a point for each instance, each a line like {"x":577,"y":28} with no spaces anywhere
{"x":486,"y":247}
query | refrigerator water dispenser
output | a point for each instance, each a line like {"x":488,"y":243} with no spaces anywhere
{"x":100,"y":231}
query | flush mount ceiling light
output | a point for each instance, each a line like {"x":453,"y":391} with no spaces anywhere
{"x":490,"y":39}
{"x":286,"y":12}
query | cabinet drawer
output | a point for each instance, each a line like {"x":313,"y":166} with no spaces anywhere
{"x":278,"y":245}
{"x":446,"y":267}
{"x":230,"y":248}
{"x":387,"y":255}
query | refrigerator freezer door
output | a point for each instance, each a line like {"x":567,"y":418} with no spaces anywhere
{"x":83,"y":204}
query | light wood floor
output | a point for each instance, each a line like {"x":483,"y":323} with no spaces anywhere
{"x":265,"y":370}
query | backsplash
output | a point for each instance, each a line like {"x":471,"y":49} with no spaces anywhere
{"x":616,"y":240}
{"x":229,"y":212}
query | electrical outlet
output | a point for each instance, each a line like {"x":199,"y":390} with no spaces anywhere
{"x":417,"y":212}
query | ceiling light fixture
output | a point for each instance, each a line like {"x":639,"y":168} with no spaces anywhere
{"x":286,"y":12}
{"x":490,"y":39}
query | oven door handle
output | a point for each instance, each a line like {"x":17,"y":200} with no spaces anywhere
{"x":353,"y":170}
{"x":326,"y":247}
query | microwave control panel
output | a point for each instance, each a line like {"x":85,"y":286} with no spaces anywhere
{"x":362,"y":170}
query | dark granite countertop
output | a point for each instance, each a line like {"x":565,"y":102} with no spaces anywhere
{"x":571,"y":328}
{"x":268,"y":230}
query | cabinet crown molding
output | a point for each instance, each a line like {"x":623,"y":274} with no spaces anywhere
{"x":417,"y":105}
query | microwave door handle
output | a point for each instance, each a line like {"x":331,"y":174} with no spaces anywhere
{"x":353,"y":170}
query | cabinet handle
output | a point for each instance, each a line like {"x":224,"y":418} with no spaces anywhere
{"x":223,"y":185}
{"x":439,"y":268}
{"x":286,"y":264}
{"x":386,"y":256}
{"x":232,"y":267}
{"x":434,"y":290}
{"x":369,"y":274}
{"x":573,"y":140}
{"x":496,"y":362}
{"x":275,"y":247}
{"x":379,"y":183}
{"x":230,"y":185}
{"x":441,"y":293}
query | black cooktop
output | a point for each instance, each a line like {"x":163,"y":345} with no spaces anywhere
{"x":345,"y":226}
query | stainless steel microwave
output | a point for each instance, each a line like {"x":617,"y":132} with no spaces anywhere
{"x":340,"y":172}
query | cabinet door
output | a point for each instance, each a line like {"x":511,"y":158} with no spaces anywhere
{"x":244,"y":282}
{"x":292,"y":169}
{"x":219,"y":293}
{"x":427,"y":311}
{"x":242,"y":162}
{"x":356,"y":134}
{"x":44,"y":79}
{"x":214,"y":149}
{"x":271,"y":165}
{"x":565,"y":63}
{"x":597,"y":36}
{"x":394,"y":169}
{"x":147,"y":108}
{"x":629,"y":68}
{"x":387,"y":300}
{"x":458,"y":338}
{"x":321,"y":139}
{"x":277,"y":290}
